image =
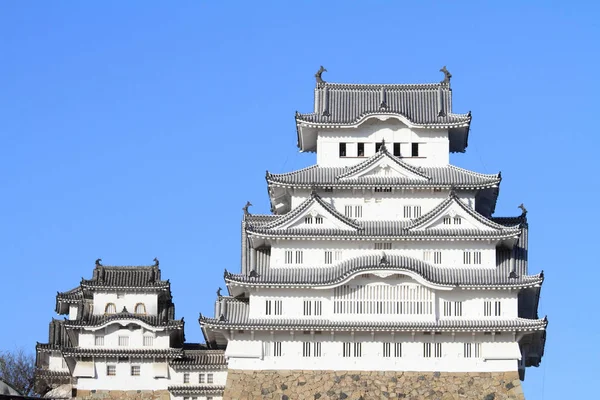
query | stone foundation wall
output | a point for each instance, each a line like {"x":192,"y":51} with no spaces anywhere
{"x":123,"y":395}
{"x":361,"y":385}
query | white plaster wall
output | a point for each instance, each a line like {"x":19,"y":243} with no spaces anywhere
{"x":372,"y":359}
{"x":433,"y":148}
{"x":56,"y":362}
{"x":73,"y":312}
{"x":219,"y":377}
{"x":293,"y":303}
{"x":383,"y":205}
{"x":112,"y":332}
{"x":314,"y":251}
{"x":129,"y":300}
{"x":123,"y":379}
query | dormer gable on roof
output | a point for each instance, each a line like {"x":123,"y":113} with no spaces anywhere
{"x":313,"y":213}
{"x":383,"y":164}
{"x":453,"y":213}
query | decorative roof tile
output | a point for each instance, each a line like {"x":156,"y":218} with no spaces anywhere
{"x":439,"y":275}
{"x":152,"y":320}
{"x":427,"y":105}
{"x":200,"y":359}
{"x":125,"y":277}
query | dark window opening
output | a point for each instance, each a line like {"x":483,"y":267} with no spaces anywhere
{"x":397,"y":149}
{"x":361,"y":150}
{"x":342,"y":149}
{"x":378,"y":147}
{"x":415,"y":149}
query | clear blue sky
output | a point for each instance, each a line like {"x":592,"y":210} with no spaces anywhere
{"x":134,"y":130}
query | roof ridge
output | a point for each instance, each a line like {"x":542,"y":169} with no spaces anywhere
{"x":296,"y":171}
{"x":344,"y":85}
{"x":468,"y":171}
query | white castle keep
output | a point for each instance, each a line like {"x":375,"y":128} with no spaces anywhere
{"x":381,"y":258}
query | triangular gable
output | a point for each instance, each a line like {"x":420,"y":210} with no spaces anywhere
{"x":384,"y":165}
{"x":313,"y":213}
{"x":453,"y":213}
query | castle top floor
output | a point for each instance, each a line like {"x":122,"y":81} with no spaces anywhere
{"x":349,"y":122}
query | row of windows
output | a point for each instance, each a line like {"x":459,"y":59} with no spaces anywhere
{"x":124,"y":340}
{"x":353,"y":211}
{"x":315,"y":307}
{"x":202,"y":378}
{"x":196,"y":398}
{"x":316,"y":220}
{"x":389,"y":349}
{"x":452,"y":220}
{"x":435,"y":257}
{"x":360,"y":149}
{"x":111,"y":308}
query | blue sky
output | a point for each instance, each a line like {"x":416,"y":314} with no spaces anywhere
{"x":134,"y":130}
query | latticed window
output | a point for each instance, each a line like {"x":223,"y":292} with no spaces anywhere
{"x":123,"y":340}
{"x":328,"y":257}
{"x":387,"y":347}
{"x":299,"y":256}
{"x":209,"y":378}
{"x":273,"y":307}
{"x":402,"y":299}
{"x":201,"y":378}
{"x":427,"y":350}
{"x":438,"y":350}
{"x":135,"y":370}
{"x":317,"y":349}
{"x":437,"y":257}
{"x":319,"y":220}
{"x":471,"y":350}
{"x":289,"y":256}
{"x":383,"y":246}
{"x":358,"y":211}
{"x":186,"y":377}
{"x":99,"y":340}
{"x":447,"y":220}
{"x":110,"y":308}
{"x":308,"y":220}
{"x":148,"y":340}
{"x":111,"y":370}
{"x":457,"y":220}
{"x":306,"y":347}
{"x":277,"y":349}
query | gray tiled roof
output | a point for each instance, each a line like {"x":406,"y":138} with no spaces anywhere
{"x":465,"y":277}
{"x":449,"y":176}
{"x":236,"y":316}
{"x":72,"y":296}
{"x":422,"y":104}
{"x":197,"y":389}
{"x":82,"y":352}
{"x":42,"y":372}
{"x":126,"y":277}
{"x":152,"y":320}
{"x":200,"y":359}
{"x":379,"y":229}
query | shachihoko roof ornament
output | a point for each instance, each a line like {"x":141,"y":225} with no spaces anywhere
{"x":320,"y":80}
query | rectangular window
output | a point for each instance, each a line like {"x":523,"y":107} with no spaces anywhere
{"x":497,"y":310}
{"x":466,"y":257}
{"x":111,"y":370}
{"x":318,"y":307}
{"x":397,"y":349}
{"x":458,"y":308}
{"x":348,"y":211}
{"x":382,"y":189}
{"x":407,"y":212}
{"x":346,"y":349}
{"x":299,"y":256}
{"x":99,"y":340}
{"x":123,"y":340}
{"x":397,"y":149}
{"x":135,"y":370}
{"x":487,"y":308}
{"x":416,"y":211}
{"x":387,"y":347}
{"x":278,"y":307}
{"x":427,"y":350}
{"x":319,"y":220}
{"x":328,"y":257}
{"x":186,"y":377}
{"x":437,"y":257}
{"x":360,"y":149}
{"x":317,"y":349}
{"x":447,"y":308}
{"x":471,"y":350}
{"x":427,"y":255}
{"x":457,"y":220}
{"x":308,"y":220}
{"x":447,"y":221}
{"x":342,"y":149}
{"x":306,"y":346}
{"x":438,"y":350}
{"x":201,"y":378}
{"x":415,"y":150}
{"x":268,"y":307}
{"x":209,"y":378}
{"x":276,"y":349}
{"x":477,"y":257}
{"x":288,"y":256}
{"x":357,"y":349}
{"x":148,"y":340}
{"x":358,"y":211}
{"x":383,"y":246}
{"x":307,"y":307}
{"x":378,"y":147}
{"x":338,"y":256}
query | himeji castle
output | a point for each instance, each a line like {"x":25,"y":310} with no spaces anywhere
{"x":120,"y":339}
{"x":381,"y":272}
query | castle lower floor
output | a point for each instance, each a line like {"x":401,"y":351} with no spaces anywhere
{"x":376,"y":385}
